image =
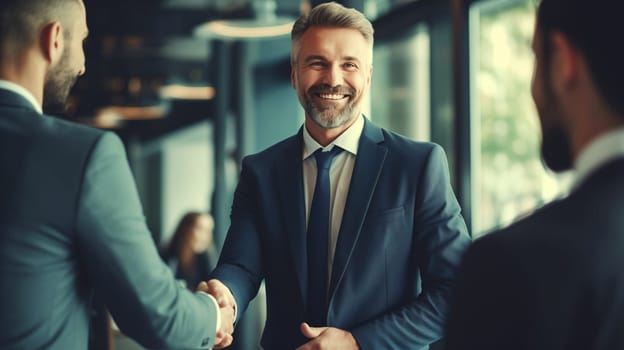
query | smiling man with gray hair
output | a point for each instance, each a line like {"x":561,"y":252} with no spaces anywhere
{"x":355,"y":229}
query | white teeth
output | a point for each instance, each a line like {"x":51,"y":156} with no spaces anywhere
{"x":332,"y":96}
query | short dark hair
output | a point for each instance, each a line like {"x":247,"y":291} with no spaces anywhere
{"x":332,"y":14}
{"x":21,"y":21}
{"x":593,"y":27}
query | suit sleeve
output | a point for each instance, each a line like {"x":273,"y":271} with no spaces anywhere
{"x":440,"y":241}
{"x":121,"y":260}
{"x":240,"y":265}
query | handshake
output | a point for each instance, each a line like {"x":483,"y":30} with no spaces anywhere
{"x":319,"y":337}
{"x":227,"y":308}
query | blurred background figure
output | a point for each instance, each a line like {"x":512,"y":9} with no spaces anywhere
{"x":191,"y":253}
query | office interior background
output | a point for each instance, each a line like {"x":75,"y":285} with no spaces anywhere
{"x":192,"y":86}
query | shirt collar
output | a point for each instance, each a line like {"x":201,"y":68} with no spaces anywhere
{"x":600,"y":151}
{"x":349,"y":140}
{"x":7,"y":85}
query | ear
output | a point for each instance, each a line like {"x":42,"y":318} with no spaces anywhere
{"x":52,"y":42}
{"x":567,"y":61}
{"x":292,"y":76}
{"x":370,"y":75}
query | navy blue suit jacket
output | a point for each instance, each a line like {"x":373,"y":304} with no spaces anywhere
{"x":400,"y":242}
{"x":552,"y":281}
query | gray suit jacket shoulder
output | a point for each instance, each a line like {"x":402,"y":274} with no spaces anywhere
{"x":70,"y":224}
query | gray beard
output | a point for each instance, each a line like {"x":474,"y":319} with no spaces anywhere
{"x":330,"y":118}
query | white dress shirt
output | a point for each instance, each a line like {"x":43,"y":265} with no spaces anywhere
{"x":599,"y":152}
{"x":7,"y":85}
{"x":340,"y":174}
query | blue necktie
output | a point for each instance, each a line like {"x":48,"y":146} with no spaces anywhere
{"x":318,"y":232}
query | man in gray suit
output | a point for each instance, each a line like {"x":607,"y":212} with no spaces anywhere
{"x":71,"y":223}
{"x":555,"y":280}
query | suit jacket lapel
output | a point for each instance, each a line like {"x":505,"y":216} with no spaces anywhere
{"x":368,"y":165}
{"x":291,"y":199}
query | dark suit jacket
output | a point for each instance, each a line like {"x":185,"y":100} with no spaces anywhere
{"x":552,"y":281}
{"x":71,"y":222}
{"x":401,"y":239}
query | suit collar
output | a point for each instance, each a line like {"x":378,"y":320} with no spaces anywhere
{"x":599,"y":152}
{"x":611,"y":168}
{"x":372,"y":132}
{"x":24,"y":97}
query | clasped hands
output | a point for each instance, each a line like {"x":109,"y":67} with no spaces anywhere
{"x":227,"y":308}
{"x":320,"y":337}
{"x":326,"y":338}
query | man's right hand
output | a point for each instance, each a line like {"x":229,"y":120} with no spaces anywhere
{"x":221,"y":292}
{"x":227,"y":307}
{"x":224,"y":334}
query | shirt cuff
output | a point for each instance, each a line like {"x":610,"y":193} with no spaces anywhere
{"x":214,"y":301}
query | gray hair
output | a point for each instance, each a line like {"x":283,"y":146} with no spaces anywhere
{"x":331,"y":14}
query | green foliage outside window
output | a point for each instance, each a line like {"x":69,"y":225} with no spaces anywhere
{"x":509,"y":179}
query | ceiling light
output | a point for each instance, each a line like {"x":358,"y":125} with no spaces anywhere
{"x":266,"y":24}
{"x":186,"y":92}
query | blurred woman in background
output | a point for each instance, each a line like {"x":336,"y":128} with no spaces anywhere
{"x":191,"y":254}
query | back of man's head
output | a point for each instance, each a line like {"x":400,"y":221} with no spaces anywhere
{"x":22,"y":20}
{"x":594,"y":28}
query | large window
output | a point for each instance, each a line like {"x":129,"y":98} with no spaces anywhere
{"x":400,"y":85}
{"x":508,"y":179}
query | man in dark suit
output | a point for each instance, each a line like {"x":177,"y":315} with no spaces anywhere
{"x":71,"y":222}
{"x":555,"y":279}
{"x":381,"y":276}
